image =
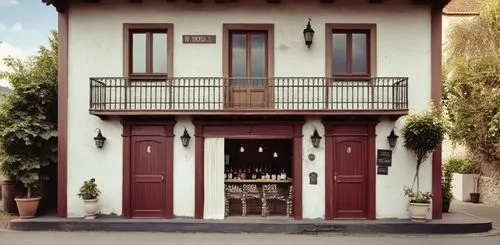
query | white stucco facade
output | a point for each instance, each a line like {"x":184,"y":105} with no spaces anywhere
{"x":95,"y":50}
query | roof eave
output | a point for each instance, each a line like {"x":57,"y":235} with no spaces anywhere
{"x":61,"y":5}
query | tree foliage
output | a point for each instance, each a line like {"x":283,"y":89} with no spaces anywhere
{"x":472,"y":82}
{"x":28,"y":117}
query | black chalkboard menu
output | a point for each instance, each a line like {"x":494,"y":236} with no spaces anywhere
{"x":382,"y":170}
{"x":384,"y":158}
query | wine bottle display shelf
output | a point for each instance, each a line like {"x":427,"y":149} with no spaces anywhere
{"x":262,"y":197}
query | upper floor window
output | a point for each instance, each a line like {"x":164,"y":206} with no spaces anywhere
{"x":149,"y":50}
{"x":351,"y":50}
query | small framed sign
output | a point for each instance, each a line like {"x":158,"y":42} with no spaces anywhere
{"x":382,"y":170}
{"x":384,"y":158}
{"x":198,"y":38}
{"x":313,"y":178}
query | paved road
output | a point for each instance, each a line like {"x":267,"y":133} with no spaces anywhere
{"x":481,"y":210}
{"x":86,"y":238}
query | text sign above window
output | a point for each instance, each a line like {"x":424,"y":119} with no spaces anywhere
{"x":198,"y":38}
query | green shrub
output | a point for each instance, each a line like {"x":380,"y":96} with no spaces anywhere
{"x":446,"y":184}
{"x":460,"y":165}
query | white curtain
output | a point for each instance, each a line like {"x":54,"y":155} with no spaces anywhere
{"x":214,"y":178}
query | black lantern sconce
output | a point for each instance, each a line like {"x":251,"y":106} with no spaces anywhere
{"x":308,"y":34}
{"x":315,"y":139}
{"x":99,"y":139}
{"x":185,"y":138}
{"x":392,"y":138}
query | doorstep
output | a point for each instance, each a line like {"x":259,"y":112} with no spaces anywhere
{"x":452,"y":223}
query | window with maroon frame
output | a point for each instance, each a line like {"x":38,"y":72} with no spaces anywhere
{"x":148,"y":53}
{"x":351,"y":53}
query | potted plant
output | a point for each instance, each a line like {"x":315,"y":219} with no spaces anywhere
{"x":90,"y":193}
{"x":446,"y":187}
{"x":27,"y":171}
{"x":422,"y":132}
{"x":476,"y":173}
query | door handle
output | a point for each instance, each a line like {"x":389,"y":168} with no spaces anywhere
{"x":335,"y":178}
{"x":162,"y":176}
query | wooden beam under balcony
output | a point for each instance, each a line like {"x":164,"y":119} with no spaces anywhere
{"x":393,"y":114}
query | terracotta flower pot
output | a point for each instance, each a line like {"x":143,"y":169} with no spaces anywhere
{"x":474,"y":197}
{"x":27,"y":207}
{"x":418,"y":211}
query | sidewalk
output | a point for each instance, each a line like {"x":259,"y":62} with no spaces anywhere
{"x":479,"y":209}
{"x":452,"y":223}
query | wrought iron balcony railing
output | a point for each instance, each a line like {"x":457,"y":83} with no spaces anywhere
{"x":198,"y":94}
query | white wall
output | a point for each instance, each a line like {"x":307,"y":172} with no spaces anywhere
{"x":95,"y":50}
{"x":313,"y":196}
{"x":184,"y":169}
{"x":462,"y":186}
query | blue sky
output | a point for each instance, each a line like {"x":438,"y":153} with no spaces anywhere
{"x":26,"y":24}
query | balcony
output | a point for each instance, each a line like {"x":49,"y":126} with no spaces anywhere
{"x":248,"y":96}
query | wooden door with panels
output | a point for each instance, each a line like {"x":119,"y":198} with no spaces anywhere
{"x":148,"y":176}
{"x":350,"y":170}
{"x":248,"y":72}
{"x":148,"y":171}
{"x":350,"y":177}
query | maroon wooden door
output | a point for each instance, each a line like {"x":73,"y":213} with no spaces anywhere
{"x":350,"y":192}
{"x":148,"y":188}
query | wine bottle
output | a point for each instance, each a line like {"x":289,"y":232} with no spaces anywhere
{"x":273,"y":174}
{"x":283,"y":174}
{"x":230,"y":173}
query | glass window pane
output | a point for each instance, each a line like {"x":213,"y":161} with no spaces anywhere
{"x":138,"y":53}
{"x":359,"y":55}
{"x":339,"y":52}
{"x":238,"y":56}
{"x":258,"y":58}
{"x":159,"y":53}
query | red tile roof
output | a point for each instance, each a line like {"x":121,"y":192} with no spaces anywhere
{"x":462,"y":7}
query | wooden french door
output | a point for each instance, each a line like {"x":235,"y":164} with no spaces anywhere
{"x":248,"y":84}
{"x":350,"y":192}
{"x":148,"y":173}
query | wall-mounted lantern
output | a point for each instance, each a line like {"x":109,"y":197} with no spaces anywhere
{"x":185,"y":138}
{"x":99,"y":139}
{"x":315,"y":139}
{"x":308,"y":34}
{"x":392,"y":138}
